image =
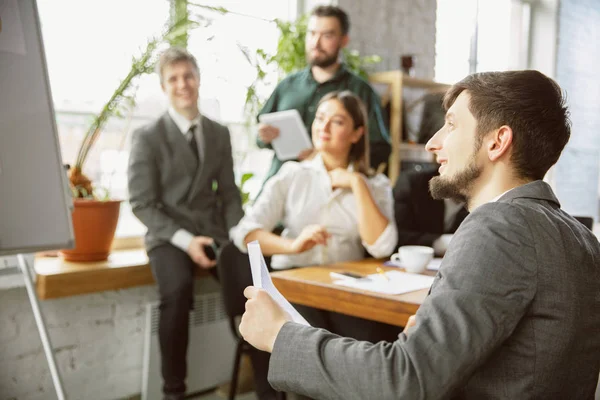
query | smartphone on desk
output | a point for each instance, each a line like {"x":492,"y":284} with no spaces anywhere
{"x":346,"y":275}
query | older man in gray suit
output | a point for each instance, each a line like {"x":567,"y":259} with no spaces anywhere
{"x":513,"y":312}
{"x":182,"y":187}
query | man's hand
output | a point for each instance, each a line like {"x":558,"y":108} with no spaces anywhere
{"x":197,"y":254}
{"x":342,"y":178}
{"x":310,"y":236}
{"x":262,"y":320}
{"x":304,"y":154}
{"x":267,"y":133}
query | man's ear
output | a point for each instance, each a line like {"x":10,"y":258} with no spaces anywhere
{"x":345,"y":41}
{"x":499,"y":142}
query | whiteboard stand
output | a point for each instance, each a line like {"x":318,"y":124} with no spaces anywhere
{"x":41,"y":325}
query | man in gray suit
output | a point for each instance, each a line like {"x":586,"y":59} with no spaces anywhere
{"x":513,"y":312}
{"x":182,"y":187}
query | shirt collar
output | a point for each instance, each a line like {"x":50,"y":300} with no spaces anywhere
{"x":495,"y":199}
{"x":317,"y":163}
{"x":342,"y":71}
{"x":182,"y":122}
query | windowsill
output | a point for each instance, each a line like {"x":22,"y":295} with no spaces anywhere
{"x":128,"y":242}
{"x":123,"y":269}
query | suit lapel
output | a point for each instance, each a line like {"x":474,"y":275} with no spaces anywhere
{"x":182,"y":153}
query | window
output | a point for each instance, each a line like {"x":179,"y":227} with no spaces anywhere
{"x":480,"y":35}
{"x":87,"y":61}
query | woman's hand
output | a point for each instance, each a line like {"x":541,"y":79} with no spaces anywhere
{"x":311,"y":236}
{"x":342,"y":178}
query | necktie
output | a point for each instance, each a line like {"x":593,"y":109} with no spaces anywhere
{"x":191,"y":137}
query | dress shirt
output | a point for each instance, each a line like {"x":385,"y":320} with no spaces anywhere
{"x":182,"y":238}
{"x":299,"y":195}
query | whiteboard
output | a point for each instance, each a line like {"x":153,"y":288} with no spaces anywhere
{"x":34,"y":199}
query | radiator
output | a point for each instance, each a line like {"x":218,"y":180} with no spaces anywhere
{"x":211,"y":347}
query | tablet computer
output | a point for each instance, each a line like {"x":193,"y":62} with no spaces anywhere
{"x":293,"y":137}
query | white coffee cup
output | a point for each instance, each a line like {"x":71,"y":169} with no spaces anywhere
{"x":413,"y":258}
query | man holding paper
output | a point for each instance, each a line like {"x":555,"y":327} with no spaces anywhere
{"x":327,"y":35}
{"x":513,"y":311}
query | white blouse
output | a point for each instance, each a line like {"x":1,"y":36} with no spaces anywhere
{"x":299,"y":195}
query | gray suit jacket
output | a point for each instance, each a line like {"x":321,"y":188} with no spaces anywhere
{"x":169,"y":191}
{"x":514,"y":313}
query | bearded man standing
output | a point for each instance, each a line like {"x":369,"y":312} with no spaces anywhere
{"x":326,"y":36}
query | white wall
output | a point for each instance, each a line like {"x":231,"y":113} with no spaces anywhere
{"x":98,"y":341}
{"x":390,"y":28}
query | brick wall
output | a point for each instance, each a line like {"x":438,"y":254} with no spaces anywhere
{"x":578,"y":56}
{"x":390,"y":28}
{"x":98,"y":341}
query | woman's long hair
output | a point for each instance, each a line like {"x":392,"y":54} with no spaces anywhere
{"x":359,"y":151}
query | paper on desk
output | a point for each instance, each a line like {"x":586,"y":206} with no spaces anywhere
{"x":261,"y":279}
{"x":399,"y":282}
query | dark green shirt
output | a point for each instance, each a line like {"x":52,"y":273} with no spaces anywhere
{"x":300,"y":91}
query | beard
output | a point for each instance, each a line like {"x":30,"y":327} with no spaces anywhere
{"x":456,"y":187}
{"x":325,"y":60}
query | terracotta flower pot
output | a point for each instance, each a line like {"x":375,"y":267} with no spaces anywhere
{"x":94,"y":225}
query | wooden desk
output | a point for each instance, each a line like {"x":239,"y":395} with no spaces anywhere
{"x":312,"y":286}
{"x":123,"y":269}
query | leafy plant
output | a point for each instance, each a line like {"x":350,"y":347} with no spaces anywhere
{"x":245,"y":195}
{"x":291,"y":57}
{"x":123,"y":98}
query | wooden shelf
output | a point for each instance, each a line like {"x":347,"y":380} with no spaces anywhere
{"x":123,"y":269}
{"x":396,"y":81}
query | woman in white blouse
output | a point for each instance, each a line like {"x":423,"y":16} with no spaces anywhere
{"x":332,"y":206}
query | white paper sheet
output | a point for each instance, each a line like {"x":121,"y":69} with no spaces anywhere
{"x":399,"y":282}
{"x":262,"y":279}
{"x":293,"y":137}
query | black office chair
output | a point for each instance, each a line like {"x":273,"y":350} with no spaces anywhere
{"x":587,"y":221}
{"x":233,"y":282}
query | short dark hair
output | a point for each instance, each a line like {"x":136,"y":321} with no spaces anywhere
{"x":531,"y":104}
{"x":359,"y":151}
{"x":174,"y":55}
{"x":333,"y":11}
